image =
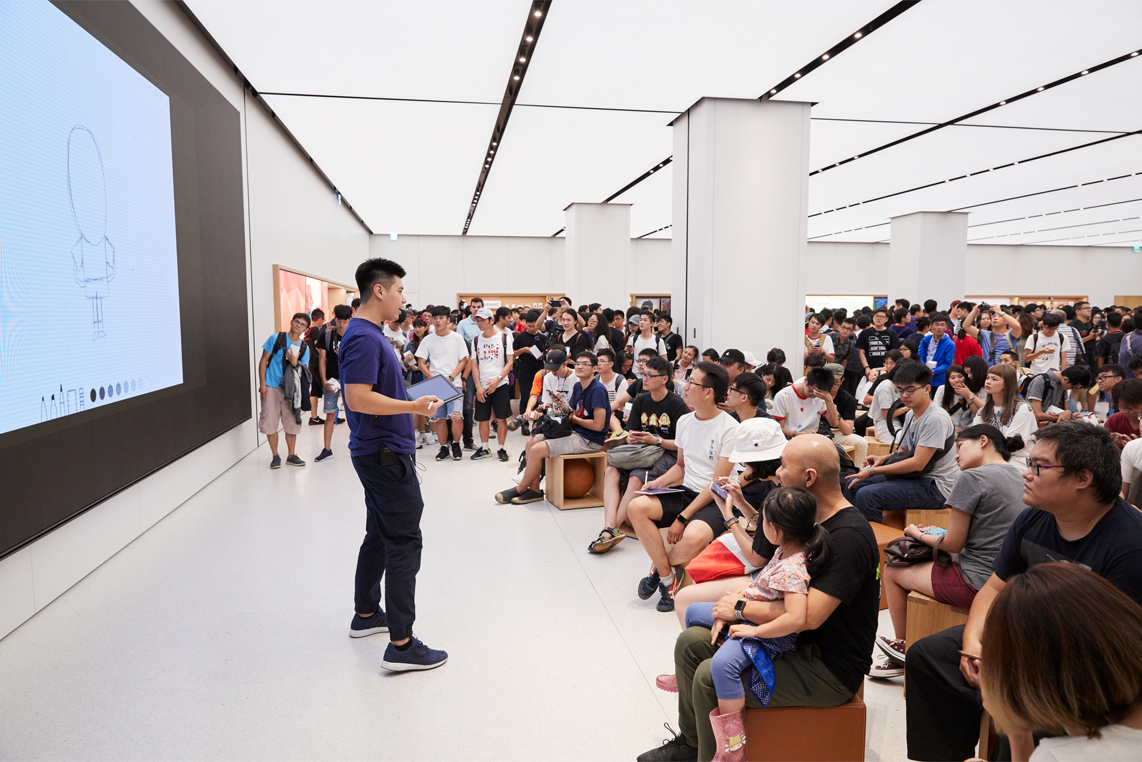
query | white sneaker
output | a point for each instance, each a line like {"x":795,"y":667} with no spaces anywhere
{"x":884,"y":668}
{"x":430,"y":438}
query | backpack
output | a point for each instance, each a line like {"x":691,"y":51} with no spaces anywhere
{"x":1025,"y":384}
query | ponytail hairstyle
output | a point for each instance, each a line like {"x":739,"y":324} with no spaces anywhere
{"x":1001,"y":444}
{"x":794,"y":511}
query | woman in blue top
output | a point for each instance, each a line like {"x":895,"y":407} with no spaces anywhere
{"x":937,"y":350}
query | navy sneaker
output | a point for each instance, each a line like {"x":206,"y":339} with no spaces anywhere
{"x":293,"y":460}
{"x":339,"y":420}
{"x":666,"y":600}
{"x":362,"y":627}
{"x":503,"y":455}
{"x":326,"y":454}
{"x":648,"y":584}
{"x":276,"y":462}
{"x":417,"y":657}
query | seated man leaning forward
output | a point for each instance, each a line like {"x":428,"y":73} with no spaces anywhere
{"x":834,"y":650}
{"x":653,"y":421}
{"x":921,"y":473}
{"x":704,"y":441}
{"x":589,"y":412}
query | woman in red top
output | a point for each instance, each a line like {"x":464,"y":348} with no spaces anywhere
{"x":1124,"y":425}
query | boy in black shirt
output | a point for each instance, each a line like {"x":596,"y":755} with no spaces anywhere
{"x":327,"y":345}
{"x":875,"y":343}
{"x":526,"y":363}
{"x":672,"y":340}
{"x":653,"y":421}
{"x":1076,"y":516}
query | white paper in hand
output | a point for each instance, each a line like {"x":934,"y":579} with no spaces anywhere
{"x":536,"y":353}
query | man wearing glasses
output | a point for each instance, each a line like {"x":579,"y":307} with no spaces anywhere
{"x":924,"y":479}
{"x":589,"y":413}
{"x":279,"y":350}
{"x":1075,"y":516}
{"x":1109,"y":376}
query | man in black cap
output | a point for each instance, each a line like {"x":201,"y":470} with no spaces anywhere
{"x":733,"y":360}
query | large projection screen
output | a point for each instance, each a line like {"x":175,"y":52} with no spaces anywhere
{"x":123,"y":316}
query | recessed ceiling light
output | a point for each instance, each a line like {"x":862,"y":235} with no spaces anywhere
{"x":825,"y":57}
{"x":1039,"y":90}
{"x":522,"y":59}
{"x":538,"y":14}
{"x":773,"y":92}
{"x":1003,"y":103}
{"x":857,"y":35}
{"x":516,"y":77}
{"x":529,"y":38}
{"x":797,"y":75}
{"x":1134,"y":54}
{"x":493,"y":143}
{"x":1085,"y":72}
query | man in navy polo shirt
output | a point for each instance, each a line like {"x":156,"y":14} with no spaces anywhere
{"x":383,"y":447}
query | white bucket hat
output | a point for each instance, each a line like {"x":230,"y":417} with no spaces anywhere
{"x":758,"y":439}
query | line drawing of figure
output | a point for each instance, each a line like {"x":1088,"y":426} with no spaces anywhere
{"x":93,"y":255}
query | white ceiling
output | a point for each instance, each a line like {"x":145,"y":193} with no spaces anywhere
{"x":607,"y":77}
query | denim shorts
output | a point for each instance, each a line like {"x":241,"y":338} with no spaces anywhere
{"x":455,"y":407}
{"x":330,"y":400}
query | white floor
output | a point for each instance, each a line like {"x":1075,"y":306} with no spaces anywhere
{"x":222,"y":633}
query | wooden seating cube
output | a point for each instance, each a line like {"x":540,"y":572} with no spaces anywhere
{"x":927,"y":616}
{"x":884,"y":535}
{"x":894,"y":519}
{"x":919,"y":517}
{"x":807,"y":734}
{"x":876,"y":447}
{"x":554,"y":489}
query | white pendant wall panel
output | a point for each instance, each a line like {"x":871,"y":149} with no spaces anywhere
{"x":650,"y":203}
{"x":550,"y":158}
{"x":406,"y":167}
{"x":1104,"y":100}
{"x":445,"y":50}
{"x":666,"y":54}
{"x":945,"y":58}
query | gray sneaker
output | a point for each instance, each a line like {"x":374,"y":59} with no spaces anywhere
{"x":276,"y":462}
{"x":293,"y":460}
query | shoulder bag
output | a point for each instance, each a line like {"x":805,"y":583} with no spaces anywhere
{"x":905,"y":551}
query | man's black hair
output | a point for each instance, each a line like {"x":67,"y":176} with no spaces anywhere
{"x":815,"y":360}
{"x":531,"y":316}
{"x":582,"y":309}
{"x":1068,"y":311}
{"x":966,"y":306}
{"x":647,"y":352}
{"x":607,"y":352}
{"x":342,"y":312}
{"x":912,"y":372}
{"x":850,"y":321}
{"x":303,"y":316}
{"x":355,"y":304}
{"x":899,"y":315}
{"x":712,"y":354}
{"x":826,"y":314}
{"x":863,"y":321}
{"x":441,"y":310}
{"x":660,"y":367}
{"x":777,"y":355}
{"x":1078,"y":376}
{"x":633,"y":312}
{"x":929,"y":306}
{"x":752,"y":386}
{"x":502,"y":312}
{"x":316,"y":313}
{"x":914,"y":309}
{"x":400,"y":317}
{"x":819,"y":317}
{"x":1082,"y":447}
{"x":840,"y":314}
{"x":590,"y":356}
{"x":1135,"y":363}
{"x":941,"y":317}
{"x":608,"y":315}
{"x":593,"y":306}
{"x":1114,"y":319}
{"x":1113,"y":370}
{"x":819,"y":378}
{"x":1051,"y":320}
{"x":922,"y":323}
{"x":715,"y":377}
{"x":475,"y":299}
{"x":666,"y":316}
{"x":374,"y":271}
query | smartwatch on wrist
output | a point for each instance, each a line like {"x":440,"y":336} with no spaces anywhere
{"x":682,"y":519}
{"x":739,"y":609}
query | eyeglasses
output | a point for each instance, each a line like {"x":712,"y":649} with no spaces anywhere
{"x":652,"y":375}
{"x":735,"y":389}
{"x":1131,"y":412}
{"x":909,"y":391}
{"x":583,"y":365}
{"x":695,"y":383}
{"x":1036,"y":466}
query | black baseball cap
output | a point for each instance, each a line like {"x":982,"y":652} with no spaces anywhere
{"x":556,"y":359}
{"x":732,"y":356}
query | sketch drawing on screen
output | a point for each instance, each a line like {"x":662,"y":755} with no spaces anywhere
{"x":93,"y":256}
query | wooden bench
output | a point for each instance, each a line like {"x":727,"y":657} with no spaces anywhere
{"x":920,"y":517}
{"x":807,"y":734}
{"x":884,"y":535}
{"x":554,"y":487}
{"x":876,"y":447}
{"x":927,"y":616}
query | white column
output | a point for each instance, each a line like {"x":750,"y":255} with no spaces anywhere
{"x":597,"y":250}
{"x":741,"y":180}
{"x":927,"y":256}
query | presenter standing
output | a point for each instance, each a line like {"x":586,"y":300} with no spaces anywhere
{"x":383,"y":446}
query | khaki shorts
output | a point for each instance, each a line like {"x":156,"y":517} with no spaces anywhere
{"x":274,"y":410}
{"x":573,"y":444}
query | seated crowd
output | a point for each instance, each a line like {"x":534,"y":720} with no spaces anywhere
{"x":1021,"y":422}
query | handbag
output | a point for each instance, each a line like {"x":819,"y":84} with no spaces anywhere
{"x":631,"y":456}
{"x":905,"y":551}
{"x":552,"y":427}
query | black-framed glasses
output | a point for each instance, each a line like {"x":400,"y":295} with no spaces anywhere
{"x":735,"y":389}
{"x":908,"y":391}
{"x":695,"y":383}
{"x":1036,"y":466}
{"x":653,"y":375}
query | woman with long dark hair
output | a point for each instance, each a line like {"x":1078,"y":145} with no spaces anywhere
{"x":1007,"y":411}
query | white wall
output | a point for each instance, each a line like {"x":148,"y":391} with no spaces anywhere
{"x":292,"y":220}
{"x":440,"y":267}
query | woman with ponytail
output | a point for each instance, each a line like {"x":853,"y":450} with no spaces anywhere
{"x":1007,"y":411}
{"x":985,"y":498}
{"x":789,"y":520}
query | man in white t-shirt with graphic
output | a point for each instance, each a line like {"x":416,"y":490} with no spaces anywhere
{"x":799,"y":406}
{"x":1046,"y":350}
{"x":646,"y":337}
{"x":491,"y":362}
{"x":704,"y":442}
{"x":444,"y":353}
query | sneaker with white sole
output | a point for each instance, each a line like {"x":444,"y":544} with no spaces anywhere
{"x":363,"y":627}
{"x":884,"y":668}
{"x":293,"y":460}
{"x":326,"y":454}
{"x":892,"y":648}
{"x":417,"y":657}
{"x":481,"y":453}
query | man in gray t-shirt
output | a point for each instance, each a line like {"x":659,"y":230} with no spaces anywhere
{"x":992,"y":495}
{"x":930,"y":435}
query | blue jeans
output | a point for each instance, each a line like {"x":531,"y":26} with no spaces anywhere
{"x":877,"y":494}
{"x":392,"y":544}
{"x":730,"y":661}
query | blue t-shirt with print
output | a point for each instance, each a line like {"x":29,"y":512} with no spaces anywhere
{"x":367,"y":357}
{"x":583,"y":403}
{"x":274,"y":365}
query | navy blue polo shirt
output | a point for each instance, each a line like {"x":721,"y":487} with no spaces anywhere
{"x":366,"y":357}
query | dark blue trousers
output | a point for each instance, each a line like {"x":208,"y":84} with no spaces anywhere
{"x":392,"y":544}
{"x":877,"y":494}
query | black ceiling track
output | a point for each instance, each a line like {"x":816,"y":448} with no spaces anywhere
{"x":536,"y":15}
{"x":639,"y":179}
{"x":984,"y":110}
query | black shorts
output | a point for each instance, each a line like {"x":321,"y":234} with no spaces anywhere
{"x":674,"y":503}
{"x":498,"y":402}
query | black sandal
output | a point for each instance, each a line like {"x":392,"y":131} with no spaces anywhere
{"x":601,"y":545}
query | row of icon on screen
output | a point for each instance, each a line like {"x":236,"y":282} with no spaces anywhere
{"x":66,"y":402}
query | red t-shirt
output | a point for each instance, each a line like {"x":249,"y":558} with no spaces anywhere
{"x":965,"y":348}
{"x":1119,"y":424}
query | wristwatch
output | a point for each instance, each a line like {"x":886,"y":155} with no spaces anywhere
{"x":683,"y":519}
{"x":739,"y":609}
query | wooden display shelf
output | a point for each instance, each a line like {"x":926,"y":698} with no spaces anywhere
{"x":554,"y":491}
